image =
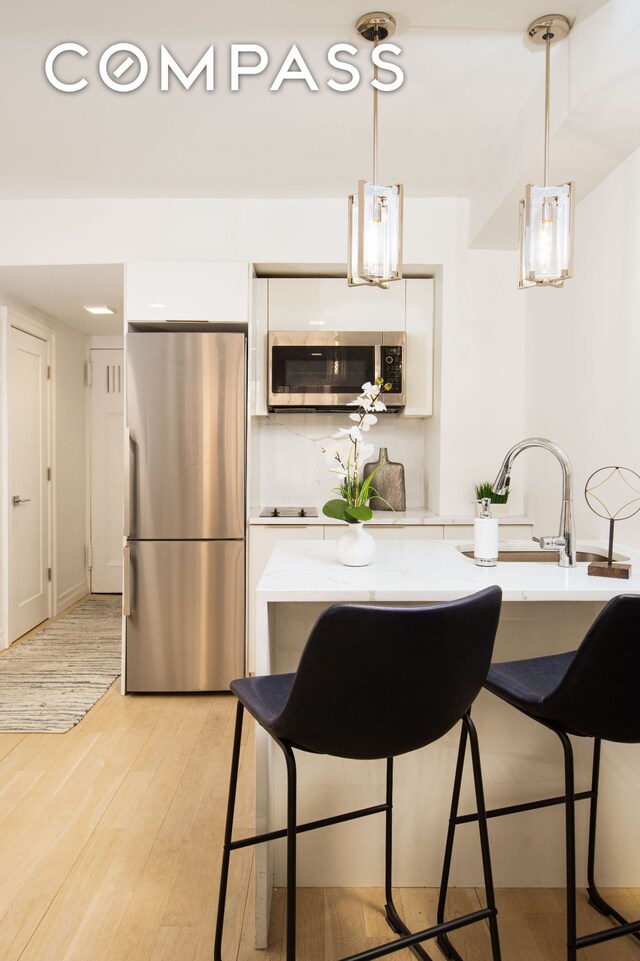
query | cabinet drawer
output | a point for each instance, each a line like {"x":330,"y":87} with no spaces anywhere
{"x":515,"y":532}
{"x":458,"y":532}
{"x":391,"y":532}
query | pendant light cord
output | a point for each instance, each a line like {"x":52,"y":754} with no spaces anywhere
{"x":375,"y":113}
{"x":547,"y":85}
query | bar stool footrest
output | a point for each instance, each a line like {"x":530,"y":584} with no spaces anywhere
{"x":630,"y":927}
{"x":447,"y":948}
{"x":409,"y":940}
{"x":608,"y":911}
{"x":396,"y":924}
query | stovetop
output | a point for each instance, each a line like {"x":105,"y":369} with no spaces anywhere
{"x":289,"y":512}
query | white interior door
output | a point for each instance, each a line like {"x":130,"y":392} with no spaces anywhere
{"x":107,"y":470}
{"x":29,"y":525}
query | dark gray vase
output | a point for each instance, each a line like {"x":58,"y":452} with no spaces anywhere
{"x":388,"y":483}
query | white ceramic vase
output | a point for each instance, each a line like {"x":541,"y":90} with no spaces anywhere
{"x":356,"y":547}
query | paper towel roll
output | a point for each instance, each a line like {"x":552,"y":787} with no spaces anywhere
{"x":485,"y":541}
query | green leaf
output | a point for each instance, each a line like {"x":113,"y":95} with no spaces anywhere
{"x":362,"y":513}
{"x":335,"y":508}
{"x":367,"y":489}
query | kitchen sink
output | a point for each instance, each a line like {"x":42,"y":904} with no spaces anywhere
{"x":546,"y":557}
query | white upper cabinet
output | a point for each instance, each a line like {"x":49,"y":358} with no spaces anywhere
{"x":419,"y":320}
{"x":187,"y":290}
{"x":328,"y":303}
{"x":258,"y":388}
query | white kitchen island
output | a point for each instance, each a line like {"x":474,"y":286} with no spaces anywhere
{"x":546,"y":609}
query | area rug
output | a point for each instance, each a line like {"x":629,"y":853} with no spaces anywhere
{"x":49,"y":681}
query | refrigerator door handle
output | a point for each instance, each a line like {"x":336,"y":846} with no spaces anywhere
{"x":126,"y":586}
{"x":128,"y":455}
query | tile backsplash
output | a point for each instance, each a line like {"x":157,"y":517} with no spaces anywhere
{"x":293,"y":470}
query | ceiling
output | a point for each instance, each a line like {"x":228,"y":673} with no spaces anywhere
{"x":62,"y":292}
{"x":468,"y":72}
{"x":253,"y":16}
{"x":460,"y":125}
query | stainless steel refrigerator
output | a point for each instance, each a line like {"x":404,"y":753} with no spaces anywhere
{"x":184,"y":591}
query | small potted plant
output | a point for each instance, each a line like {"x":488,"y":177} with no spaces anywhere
{"x":498,"y":501}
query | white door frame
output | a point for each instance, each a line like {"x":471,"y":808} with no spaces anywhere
{"x":9,"y":317}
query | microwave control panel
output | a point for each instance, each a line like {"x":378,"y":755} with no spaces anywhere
{"x":392,"y":368}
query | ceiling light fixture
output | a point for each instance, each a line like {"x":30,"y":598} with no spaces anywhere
{"x":100,"y":310}
{"x":375,"y":212}
{"x":546,"y":213}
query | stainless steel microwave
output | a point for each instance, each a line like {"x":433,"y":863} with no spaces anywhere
{"x":326,"y":369}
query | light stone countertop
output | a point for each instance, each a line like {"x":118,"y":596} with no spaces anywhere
{"x":433,"y":570}
{"x":417,"y":516}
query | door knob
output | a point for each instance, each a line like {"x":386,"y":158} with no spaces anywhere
{"x":16,"y":499}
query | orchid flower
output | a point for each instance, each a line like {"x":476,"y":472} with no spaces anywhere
{"x":348,"y":454}
{"x":364,"y":422}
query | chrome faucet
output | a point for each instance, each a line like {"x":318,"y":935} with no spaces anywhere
{"x":565,"y":542}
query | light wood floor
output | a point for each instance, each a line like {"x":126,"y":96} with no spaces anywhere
{"x":109,"y":849}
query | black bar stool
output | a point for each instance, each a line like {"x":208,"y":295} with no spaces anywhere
{"x":591,"y":692}
{"x":373,"y":683}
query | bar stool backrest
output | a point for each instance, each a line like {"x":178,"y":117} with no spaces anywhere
{"x":599,"y":694}
{"x":375,"y":682}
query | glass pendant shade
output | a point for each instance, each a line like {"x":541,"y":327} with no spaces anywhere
{"x":375,"y":235}
{"x":546,"y":224}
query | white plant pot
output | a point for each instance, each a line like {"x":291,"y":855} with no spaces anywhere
{"x":356,"y":547}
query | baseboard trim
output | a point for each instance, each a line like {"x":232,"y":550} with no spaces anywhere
{"x":75,"y":593}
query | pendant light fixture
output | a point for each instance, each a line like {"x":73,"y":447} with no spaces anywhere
{"x":375,"y":212}
{"x":546,"y":213}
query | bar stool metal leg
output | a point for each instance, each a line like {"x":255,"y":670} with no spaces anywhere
{"x":594,"y":895}
{"x":468,"y":732}
{"x":484,"y":837}
{"x":394,"y":920}
{"x":443,"y":941}
{"x":595,"y":898}
{"x":388,"y":839}
{"x":570,"y":843}
{"x":226,"y":851}
{"x":291,"y":849}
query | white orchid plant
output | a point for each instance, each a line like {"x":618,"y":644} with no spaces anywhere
{"x":347,"y":456}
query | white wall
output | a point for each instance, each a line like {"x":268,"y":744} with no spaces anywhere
{"x":71,"y":461}
{"x":482,"y":314}
{"x":294,"y":471}
{"x":583,"y":356}
{"x":482,"y":376}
